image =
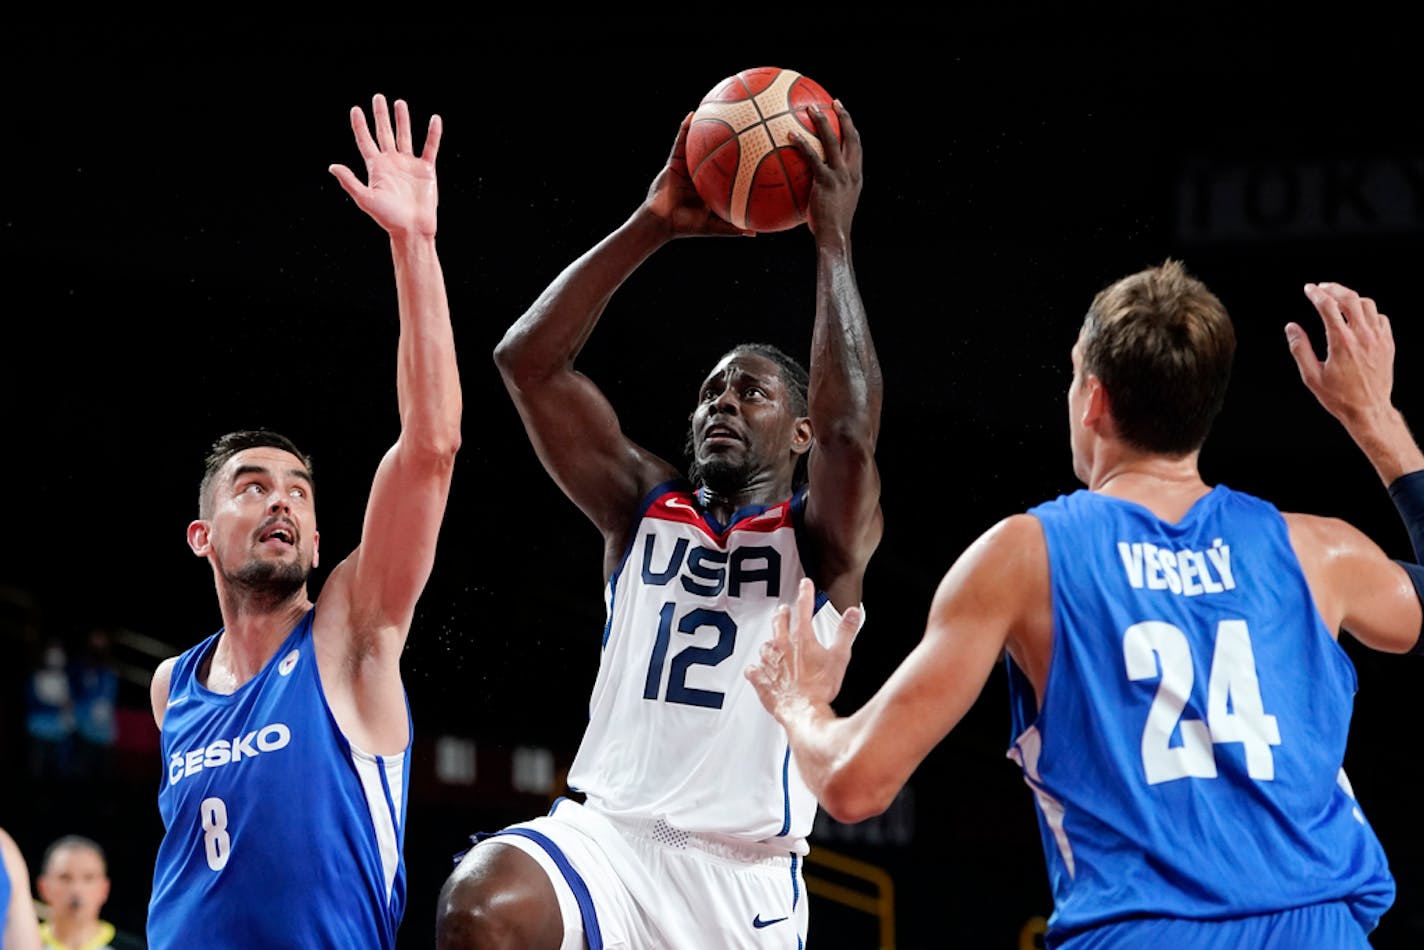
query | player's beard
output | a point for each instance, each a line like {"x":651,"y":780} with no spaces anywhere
{"x":268,"y":583}
{"x":722,"y":475}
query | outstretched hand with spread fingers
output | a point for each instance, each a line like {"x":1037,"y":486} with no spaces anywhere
{"x":794,"y":670}
{"x":400,"y":191}
{"x":1355,"y":381}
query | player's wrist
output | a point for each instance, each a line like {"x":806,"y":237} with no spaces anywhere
{"x":413,"y":242}
{"x":1386,"y":440}
{"x":833,"y":243}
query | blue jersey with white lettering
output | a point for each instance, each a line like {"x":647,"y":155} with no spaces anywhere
{"x":1187,"y":754}
{"x":278,"y":832}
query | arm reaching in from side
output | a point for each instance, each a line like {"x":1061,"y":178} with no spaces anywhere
{"x":995,"y":596}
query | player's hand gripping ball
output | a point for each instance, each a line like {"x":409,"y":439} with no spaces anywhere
{"x":740,"y":153}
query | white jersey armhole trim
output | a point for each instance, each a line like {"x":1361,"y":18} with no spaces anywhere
{"x":382,"y":781}
{"x":1025,"y":752}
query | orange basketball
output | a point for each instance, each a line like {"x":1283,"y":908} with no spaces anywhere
{"x":740,"y":153}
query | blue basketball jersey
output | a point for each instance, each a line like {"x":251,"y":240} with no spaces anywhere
{"x":278,"y":832}
{"x":1187,"y":755}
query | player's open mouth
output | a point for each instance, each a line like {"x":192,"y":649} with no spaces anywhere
{"x":284,"y":535}
{"x":720,"y":434}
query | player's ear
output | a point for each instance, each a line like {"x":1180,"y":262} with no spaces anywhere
{"x":802,"y":436}
{"x":200,"y":537}
{"x":1095,"y":406}
{"x":316,"y":548}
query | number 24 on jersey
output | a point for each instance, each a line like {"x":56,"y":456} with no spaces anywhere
{"x":1234,"y":711}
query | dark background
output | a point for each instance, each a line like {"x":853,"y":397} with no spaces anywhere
{"x":178,"y":262}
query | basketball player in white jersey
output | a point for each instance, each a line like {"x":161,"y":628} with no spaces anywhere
{"x":694,"y":822}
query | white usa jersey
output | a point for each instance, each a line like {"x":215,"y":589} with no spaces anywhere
{"x":675,"y":730}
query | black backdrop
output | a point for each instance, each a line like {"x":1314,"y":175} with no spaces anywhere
{"x":178,"y":263}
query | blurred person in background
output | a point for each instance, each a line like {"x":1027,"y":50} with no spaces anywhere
{"x":74,"y":884}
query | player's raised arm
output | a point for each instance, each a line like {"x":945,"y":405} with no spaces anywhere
{"x":384,"y":577}
{"x":573,"y":427}
{"x":1356,"y":586}
{"x":1355,"y":384}
{"x":844,"y":395}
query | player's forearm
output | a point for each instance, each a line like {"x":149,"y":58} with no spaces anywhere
{"x":550,"y":334}
{"x":830,"y":756}
{"x":1385,"y":439}
{"x":845,"y":386}
{"x":427,"y":377}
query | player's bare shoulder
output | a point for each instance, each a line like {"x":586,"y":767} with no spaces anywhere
{"x":159,"y":687}
{"x":1016,"y":541}
{"x":1009,"y":560}
{"x":1319,"y":539}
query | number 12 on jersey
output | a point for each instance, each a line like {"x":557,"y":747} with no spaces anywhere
{"x":1234,"y":711}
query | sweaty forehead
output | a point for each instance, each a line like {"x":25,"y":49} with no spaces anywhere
{"x":745,"y":364}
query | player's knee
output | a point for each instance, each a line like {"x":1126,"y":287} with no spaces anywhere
{"x":466,"y":919}
{"x":490,"y":906}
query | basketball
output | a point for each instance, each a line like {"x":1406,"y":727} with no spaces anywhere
{"x":740,"y":153}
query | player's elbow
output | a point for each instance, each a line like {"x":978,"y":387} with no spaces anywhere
{"x":850,"y":795}
{"x":517,"y":359}
{"x":506,"y":353}
{"x":431,"y":448}
{"x":852,"y":437}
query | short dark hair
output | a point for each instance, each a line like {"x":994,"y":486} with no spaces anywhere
{"x":234,"y":442}
{"x":71,"y":841}
{"x":1162,"y":345}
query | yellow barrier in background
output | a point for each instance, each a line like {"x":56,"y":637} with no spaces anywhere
{"x":880,"y":904}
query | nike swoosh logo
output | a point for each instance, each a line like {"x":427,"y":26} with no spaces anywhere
{"x":679,"y":503}
{"x":175,"y":702}
{"x":758,"y":923}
